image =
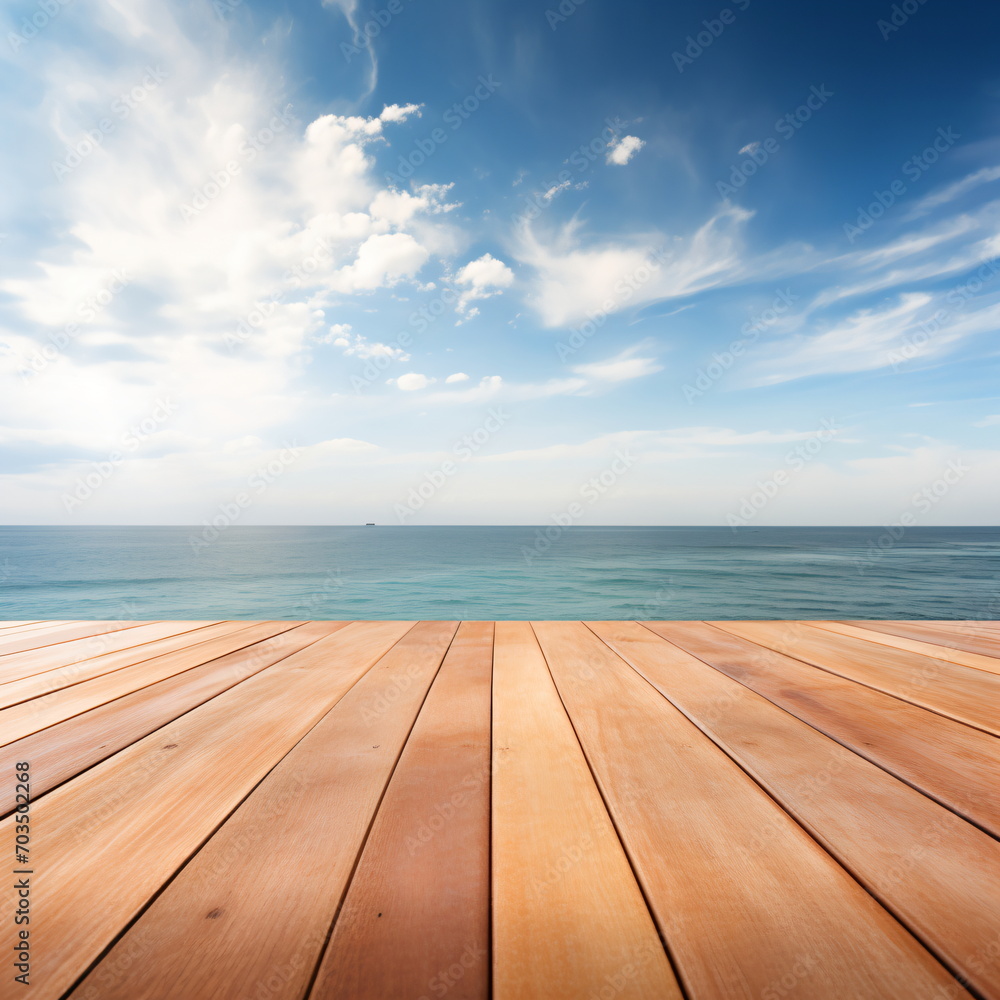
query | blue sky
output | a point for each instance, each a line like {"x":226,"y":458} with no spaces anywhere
{"x":426,"y":263}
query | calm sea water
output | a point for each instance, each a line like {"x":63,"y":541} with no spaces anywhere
{"x":498,"y":573}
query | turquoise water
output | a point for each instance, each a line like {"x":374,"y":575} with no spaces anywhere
{"x":501,"y":573}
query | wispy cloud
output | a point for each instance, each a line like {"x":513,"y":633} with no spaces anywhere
{"x":951,"y":192}
{"x":574,"y":278}
{"x":622,"y":367}
{"x":350,"y":12}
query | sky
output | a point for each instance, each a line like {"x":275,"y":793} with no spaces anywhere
{"x":518,"y":262}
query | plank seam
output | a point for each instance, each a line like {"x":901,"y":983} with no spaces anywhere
{"x":180,"y":868}
{"x":489,"y":826}
{"x":945,"y":649}
{"x":684,"y":989}
{"x":371,"y":822}
{"x":76,"y":638}
{"x":846,"y":746}
{"x":872,"y":687}
{"x":814,"y":835}
{"x":136,"y":663}
{"x":242,"y":680}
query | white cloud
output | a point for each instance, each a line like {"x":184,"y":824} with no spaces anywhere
{"x":322,"y":450}
{"x":624,"y":149}
{"x":482,"y":279}
{"x":398,"y":208}
{"x":350,"y":9}
{"x":383,"y":260}
{"x":489,"y":387}
{"x":585,"y":380}
{"x":337,"y":334}
{"x":234,"y":222}
{"x":357,"y":346}
{"x":554,"y":190}
{"x":621,"y":368}
{"x":952,"y":191}
{"x":573,"y":281}
{"x":990,"y":421}
{"x":863,"y":341}
{"x":399,"y":112}
{"x":411,"y":382}
{"x":457,"y":377}
{"x":930,"y":270}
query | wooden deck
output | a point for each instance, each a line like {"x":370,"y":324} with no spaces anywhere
{"x":408,"y":811}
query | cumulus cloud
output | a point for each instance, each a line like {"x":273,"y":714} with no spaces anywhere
{"x":383,"y":260}
{"x":482,"y":279}
{"x":624,"y":149}
{"x":194,"y":253}
{"x":398,"y":208}
{"x":357,"y":346}
{"x":457,"y":377}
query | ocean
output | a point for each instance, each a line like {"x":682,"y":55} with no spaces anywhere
{"x":498,"y":573}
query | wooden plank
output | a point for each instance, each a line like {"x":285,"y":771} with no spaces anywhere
{"x":569,"y":920}
{"x":970,"y":696}
{"x":978,"y":642}
{"x":114,"y":835}
{"x":937,"y":873}
{"x":953,"y":763}
{"x":961,"y":626}
{"x":921,"y":647}
{"x":415,"y":919}
{"x":250,"y":913}
{"x":64,"y":750}
{"x":36,"y":626}
{"x":8,"y":626}
{"x":62,"y":633}
{"x":38,"y":630}
{"x":739,"y":912}
{"x":77,"y":667}
{"x":39,"y":713}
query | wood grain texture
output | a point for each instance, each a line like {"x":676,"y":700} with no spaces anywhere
{"x":415,"y":920}
{"x":961,"y":693}
{"x":569,"y":920}
{"x":38,"y":713}
{"x":60,"y":633}
{"x":977,"y":661}
{"x":937,"y":873}
{"x":40,"y":685}
{"x":39,"y":671}
{"x":954,"y":764}
{"x":717,"y":857}
{"x":252,"y":910}
{"x":64,"y":750}
{"x":114,"y":835}
{"x":977,"y":640}
{"x":331,"y":811}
